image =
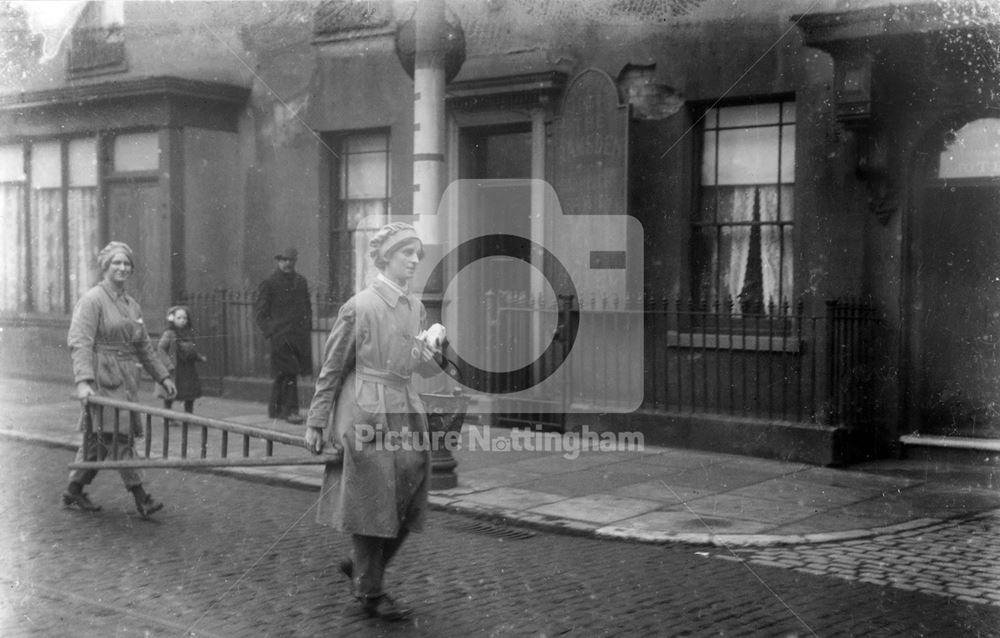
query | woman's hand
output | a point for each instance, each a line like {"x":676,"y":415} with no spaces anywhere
{"x":84,"y":390}
{"x":314,"y":440}
{"x":168,"y":385}
{"x":434,"y":337}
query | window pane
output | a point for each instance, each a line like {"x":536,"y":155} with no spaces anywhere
{"x":13,"y":251}
{"x":708,"y":159}
{"x":787,"y":203}
{"x":12,"y":163}
{"x":735,"y":204}
{"x":137,"y":152}
{"x":975,"y":152}
{"x":46,"y":165}
{"x":83,"y":225}
{"x":47,"y":241}
{"x":748,"y":156}
{"x":83,"y":162}
{"x":362,"y":142}
{"x":366,"y":178}
{"x":787,"y":154}
{"x":711,"y":119}
{"x":788,"y":112}
{"x":749,"y":115}
{"x":738,"y":204}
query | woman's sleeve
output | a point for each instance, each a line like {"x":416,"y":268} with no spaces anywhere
{"x":143,"y":347}
{"x":338,"y":361}
{"x":82,"y":332}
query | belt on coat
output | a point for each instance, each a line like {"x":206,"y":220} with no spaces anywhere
{"x":386,"y":377}
{"x":122,"y":352}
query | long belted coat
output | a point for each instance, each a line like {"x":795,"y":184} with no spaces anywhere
{"x":370,"y":355}
{"x":283,"y":313}
{"x":107,"y":337}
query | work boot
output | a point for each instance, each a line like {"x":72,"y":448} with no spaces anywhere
{"x":385,"y":607}
{"x":74,"y":495}
{"x":145,"y":503}
{"x":346,"y":567}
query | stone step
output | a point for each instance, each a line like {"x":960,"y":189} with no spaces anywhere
{"x":951,"y":449}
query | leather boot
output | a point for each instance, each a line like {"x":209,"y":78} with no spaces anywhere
{"x":144,"y":502}
{"x":74,"y":495}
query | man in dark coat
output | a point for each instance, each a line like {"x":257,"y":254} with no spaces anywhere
{"x":284,"y":314}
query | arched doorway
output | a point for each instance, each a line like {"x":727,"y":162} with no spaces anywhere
{"x":956,"y":269}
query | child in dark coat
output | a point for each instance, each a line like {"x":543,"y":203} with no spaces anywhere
{"x":177,"y":347}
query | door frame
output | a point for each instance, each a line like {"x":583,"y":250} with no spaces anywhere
{"x":923,"y":168}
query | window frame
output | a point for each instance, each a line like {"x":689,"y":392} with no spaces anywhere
{"x":342,"y":287}
{"x":705,"y":314}
{"x":28,"y":301}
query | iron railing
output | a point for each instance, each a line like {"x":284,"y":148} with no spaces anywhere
{"x":228,"y":335}
{"x":782,"y":364}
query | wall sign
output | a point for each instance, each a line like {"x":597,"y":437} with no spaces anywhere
{"x":590,"y":148}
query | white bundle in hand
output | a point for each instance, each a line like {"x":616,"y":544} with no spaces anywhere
{"x":434,"y":337}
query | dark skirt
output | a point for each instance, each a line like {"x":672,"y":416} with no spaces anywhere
{"x":186,"y":379}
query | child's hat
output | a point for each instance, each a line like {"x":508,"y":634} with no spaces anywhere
{"x":172,"y":309}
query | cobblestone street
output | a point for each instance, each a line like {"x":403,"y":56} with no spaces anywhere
{"x":236,"y":558}
{"x":958,"y":558}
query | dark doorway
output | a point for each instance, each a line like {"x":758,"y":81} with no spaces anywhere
{"x":957,"y":310}
{"x":495,"y":296}
{"x":493,"y":207}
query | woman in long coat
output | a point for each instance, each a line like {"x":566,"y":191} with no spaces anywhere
{"x":106,"y":338}
{"x":375,"y":345}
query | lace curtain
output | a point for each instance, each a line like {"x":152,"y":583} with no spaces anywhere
{"x":13,"y":253}
{"x":747,"y":255}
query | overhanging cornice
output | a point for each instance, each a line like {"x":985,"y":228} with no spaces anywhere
{"x":828,"y":31}
{"x":522,"y":78}
{"x":893,"y":62}
{"x":218,"y":93}
{"x":530,"y":87}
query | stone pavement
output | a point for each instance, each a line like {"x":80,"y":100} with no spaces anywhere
{"x":651,"y":495}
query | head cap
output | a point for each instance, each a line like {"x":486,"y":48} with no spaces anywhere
{"x":389,"y":238}
{"x":108,"y":252}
